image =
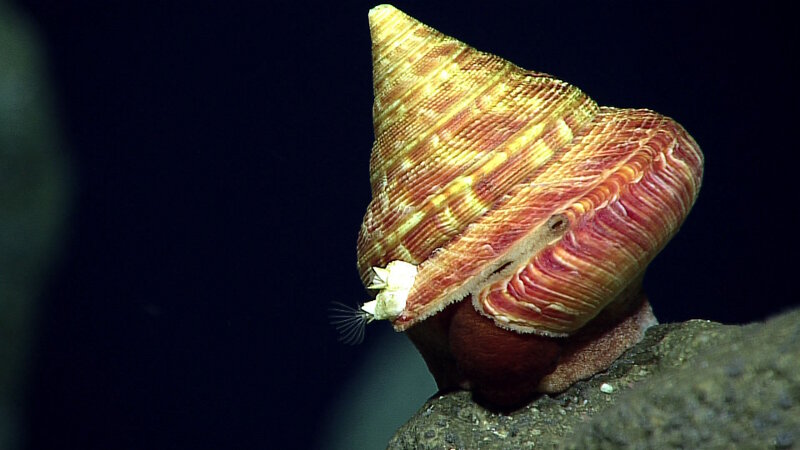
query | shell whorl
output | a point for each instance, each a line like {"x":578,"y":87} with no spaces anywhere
{"x":474,"y":158}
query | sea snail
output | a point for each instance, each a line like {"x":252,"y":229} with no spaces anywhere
{"x":512,"y":218}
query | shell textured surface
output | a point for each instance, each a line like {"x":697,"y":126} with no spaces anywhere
{"x":511,"y":187}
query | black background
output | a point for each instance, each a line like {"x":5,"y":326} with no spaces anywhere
{"x":220,"y":152}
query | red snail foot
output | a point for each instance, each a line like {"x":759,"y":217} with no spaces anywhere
{"x":504,"y":369}
{"x":501,"y":367}
{"x":596,"y":346}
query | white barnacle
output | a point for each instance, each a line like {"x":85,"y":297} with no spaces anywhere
{"x":394,"y":282}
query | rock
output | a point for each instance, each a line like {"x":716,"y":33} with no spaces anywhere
{"x":696,"y":384}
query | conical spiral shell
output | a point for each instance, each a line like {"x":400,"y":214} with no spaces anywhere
{"x":510,"y":185}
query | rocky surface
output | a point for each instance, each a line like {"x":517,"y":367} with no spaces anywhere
{"x":696,"y":384}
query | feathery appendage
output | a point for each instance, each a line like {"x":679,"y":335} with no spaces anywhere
{"x":349,"y":322}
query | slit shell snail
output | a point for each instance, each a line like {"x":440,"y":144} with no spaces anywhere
{"x":512,"y":218}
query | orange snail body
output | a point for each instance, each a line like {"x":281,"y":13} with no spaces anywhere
{"x":515,"y":198}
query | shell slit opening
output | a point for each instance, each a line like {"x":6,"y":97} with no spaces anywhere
{"x":502,"y":267}
{"x":513,"y":260}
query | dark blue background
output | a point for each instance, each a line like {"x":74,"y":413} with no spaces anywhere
{"x":220,"y":153}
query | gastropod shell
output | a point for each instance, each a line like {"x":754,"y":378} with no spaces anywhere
{"x":512,"y":218}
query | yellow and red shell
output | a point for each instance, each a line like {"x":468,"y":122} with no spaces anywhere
{"x":511,"y":186}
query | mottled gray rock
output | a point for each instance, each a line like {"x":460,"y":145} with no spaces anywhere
{"x":696,"y":384}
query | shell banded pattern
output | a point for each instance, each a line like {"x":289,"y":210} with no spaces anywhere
{"x":474,"y":158}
